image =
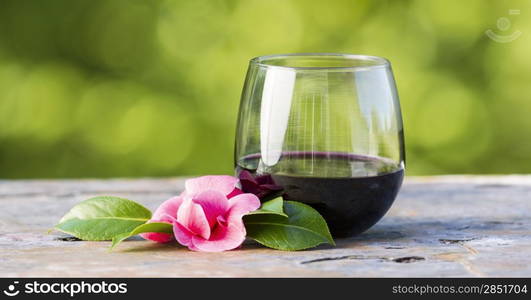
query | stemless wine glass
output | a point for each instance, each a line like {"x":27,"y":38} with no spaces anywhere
{"x":327,"y":128}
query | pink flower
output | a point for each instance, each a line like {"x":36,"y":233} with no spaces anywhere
{"x":207,"y":216}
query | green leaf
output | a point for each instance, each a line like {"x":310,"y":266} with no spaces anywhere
{"x":274,"y":206}
{"x":304,"y":228}
{"x":103,"y":218}
{"x":148,"y":227}
{"x":107,"y":206}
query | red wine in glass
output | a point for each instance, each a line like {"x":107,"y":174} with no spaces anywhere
{"x":327,"y":129}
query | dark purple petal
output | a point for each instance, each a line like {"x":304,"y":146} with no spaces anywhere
{"x":262,"y":186}
{"x":246,"y":175}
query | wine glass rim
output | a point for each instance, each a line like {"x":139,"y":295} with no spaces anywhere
{"x":377,"y":61}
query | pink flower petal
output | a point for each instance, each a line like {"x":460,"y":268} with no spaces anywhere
{"x":192,"y":217}
{"x":234,"y":192}
{"x":166,"y":212}
{"x":222,"y":183}
{"x":182,"y":235}
{"x":213,"y":204}
{"x":242,"y":204}
{"x":157,"y":237}
{"x":223,"y":238}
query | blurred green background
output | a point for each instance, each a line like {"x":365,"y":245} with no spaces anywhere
{"x":110,"y":88}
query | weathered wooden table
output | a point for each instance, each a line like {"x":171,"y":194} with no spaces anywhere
{"x":438,"y":226}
